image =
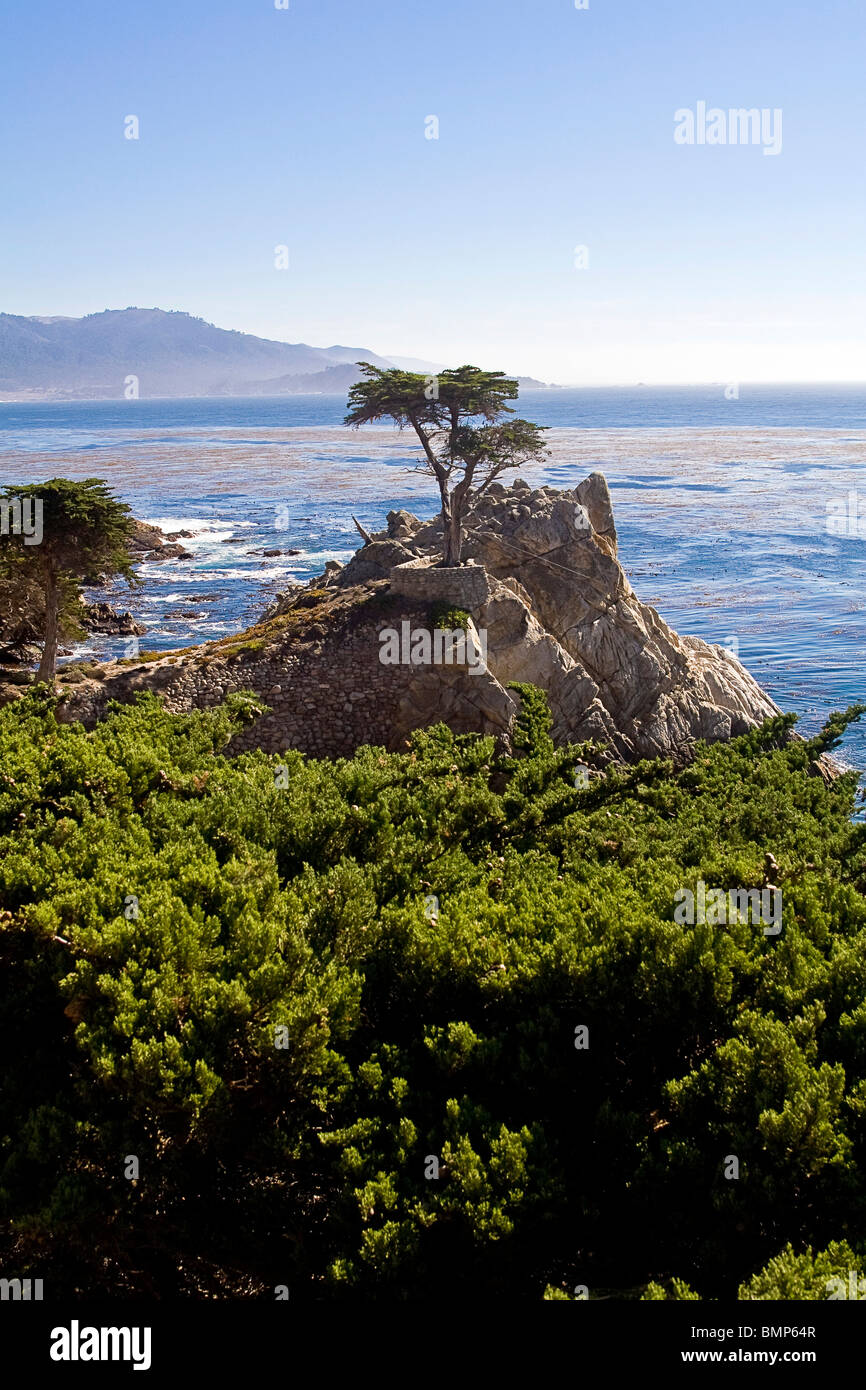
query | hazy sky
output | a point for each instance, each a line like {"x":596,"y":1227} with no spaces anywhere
{"x":305,"y":127}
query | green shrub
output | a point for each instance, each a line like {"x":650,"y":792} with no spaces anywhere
{"x":443,"y":615}
{"x":234,"y":970}
{"x":807,"y":1276}
{"x":676,"y":1291}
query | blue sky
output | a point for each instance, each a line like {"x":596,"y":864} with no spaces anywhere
{"x":306,"y":127}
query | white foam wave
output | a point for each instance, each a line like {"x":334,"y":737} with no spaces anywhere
{"x":319,"y":557}
{"x":197,"y":523}
{"x":165,"y":573}
{"x":176,"y":598}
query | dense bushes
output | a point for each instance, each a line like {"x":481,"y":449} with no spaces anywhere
{"x":294,"y":991}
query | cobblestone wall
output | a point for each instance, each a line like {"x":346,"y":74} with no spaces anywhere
{"x":326,"y":699}
{"x":466,"y":586}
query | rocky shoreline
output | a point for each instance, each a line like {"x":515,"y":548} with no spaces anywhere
{"x":547,"y":593}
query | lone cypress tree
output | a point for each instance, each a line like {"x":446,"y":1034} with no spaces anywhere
{"x":458,"y":417}
{"x":84,"y":534}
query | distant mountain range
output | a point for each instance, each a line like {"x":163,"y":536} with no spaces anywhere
{"x":170,"y":353}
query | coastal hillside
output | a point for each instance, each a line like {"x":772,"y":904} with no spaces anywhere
{"x":170,"y":353}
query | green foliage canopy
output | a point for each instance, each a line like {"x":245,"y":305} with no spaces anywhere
{"x":169,"y":918}
{"x":458,"y":417}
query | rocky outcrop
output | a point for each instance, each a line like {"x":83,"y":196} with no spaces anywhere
{"x":546,"y":597}
{"x":102,"y":617}
{"x":318,"y":668}
{"x":145,"y":539}
{"x":169,"y":552}
{"x":564,"y":617}
{"x":148,"y":543}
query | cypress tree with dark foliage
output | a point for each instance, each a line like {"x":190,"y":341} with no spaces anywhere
{"x":458,"y":417}
{"x":86,"y":534}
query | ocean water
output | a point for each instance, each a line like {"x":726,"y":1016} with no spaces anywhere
{"x":590,"y":407}
{"x":741,"y":520}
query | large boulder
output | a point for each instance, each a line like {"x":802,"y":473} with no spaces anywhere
{"x":102,"y":617}
{"x":659,"y":691}
{"x":144,"y":539}
{"x":375,"y":560}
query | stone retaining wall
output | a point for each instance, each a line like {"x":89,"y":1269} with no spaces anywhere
{"x":466,"y":586}
{"x":327,"y":698}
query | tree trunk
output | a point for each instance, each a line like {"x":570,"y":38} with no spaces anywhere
{"x":48,"y":663}
{"x":453,"y":538}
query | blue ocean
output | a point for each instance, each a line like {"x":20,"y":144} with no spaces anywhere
{"x":741,"y":511}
